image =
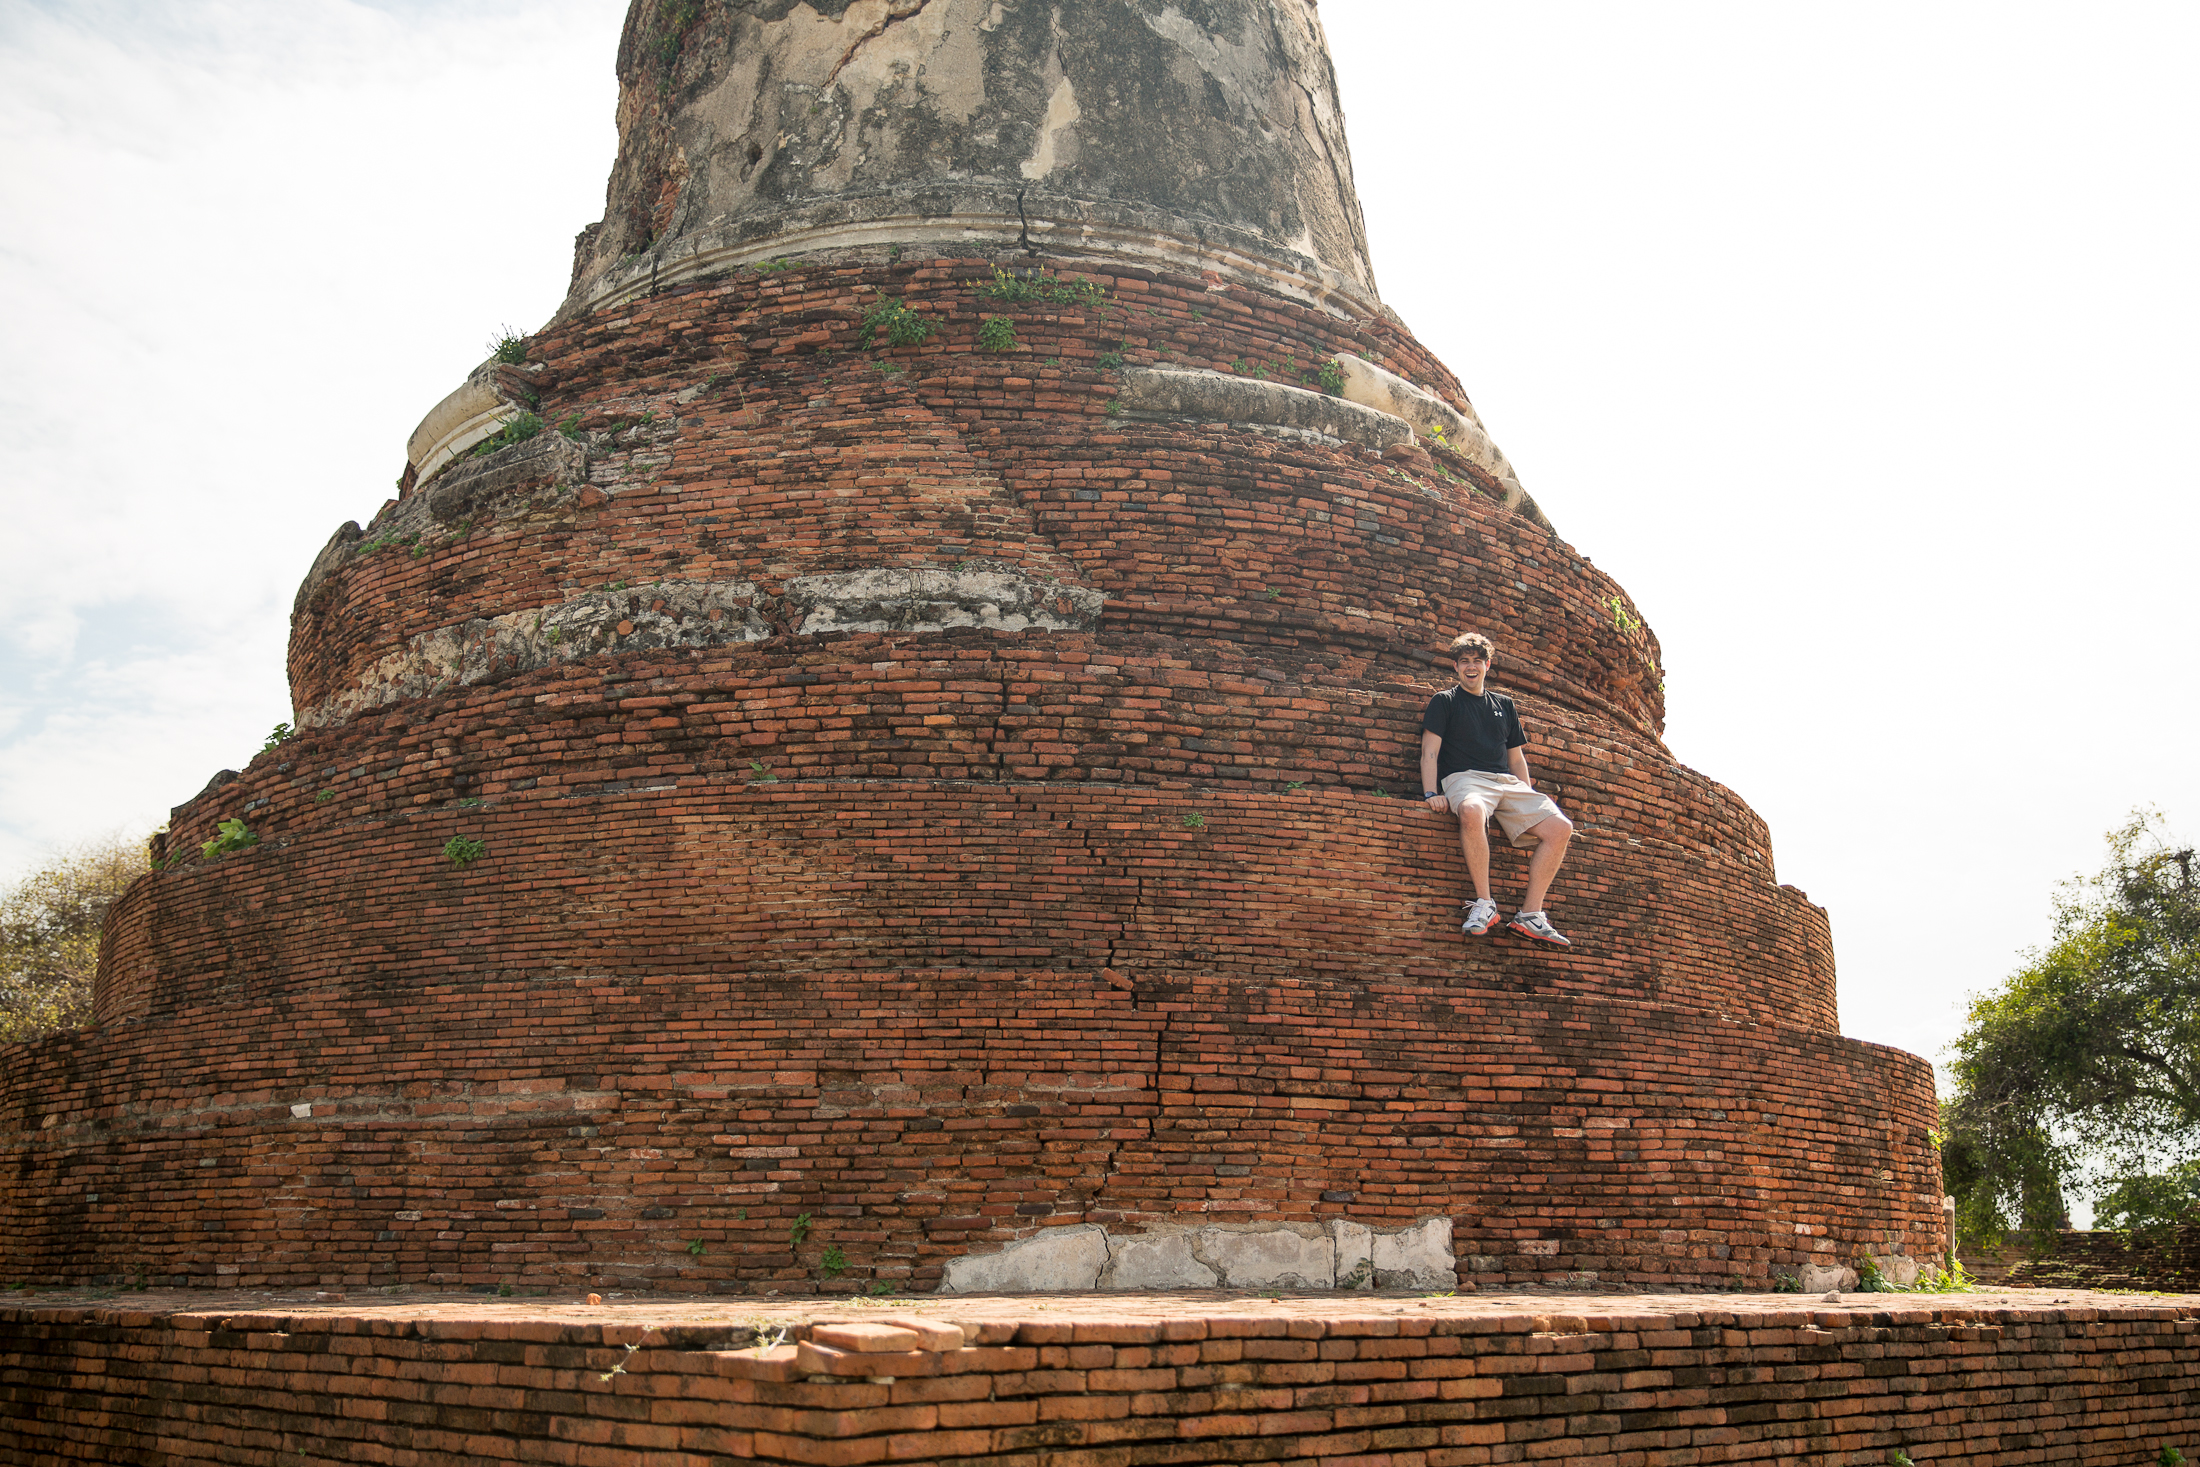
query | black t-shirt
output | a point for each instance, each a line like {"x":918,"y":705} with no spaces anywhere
{"x":1476,"y":730}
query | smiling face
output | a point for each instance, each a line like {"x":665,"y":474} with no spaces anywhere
{"x":1470,"y":665}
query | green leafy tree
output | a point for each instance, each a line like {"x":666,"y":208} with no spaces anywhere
{"x":49,"y":936}
{"x":2083,"y":1072}
{"x":2148,"y":1204}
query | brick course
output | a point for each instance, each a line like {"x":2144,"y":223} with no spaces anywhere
{"x":621,"y":1031}
{"x":1617,"y":1387}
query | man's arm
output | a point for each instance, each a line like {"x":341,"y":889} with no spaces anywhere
{"x":1431,"y":745}
{"x":1517,"y":758}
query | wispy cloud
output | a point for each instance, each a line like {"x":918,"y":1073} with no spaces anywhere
{"x":246,"y":246}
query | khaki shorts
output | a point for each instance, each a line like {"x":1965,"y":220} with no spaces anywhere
{"x":1518,"y":808}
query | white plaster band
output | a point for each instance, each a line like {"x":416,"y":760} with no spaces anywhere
{"x":467,"y":416}
{"x":669,"y":614}
{"x":1335,"y":1254}
{"x":1221,"y":398}
{"x":712,"y":614}
{"x":920,"y":599}
{"x":1190,"y":249}
{"x":1387,"y":392}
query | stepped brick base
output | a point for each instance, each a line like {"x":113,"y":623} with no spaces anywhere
{"x":936,"y":792}
{"x":1408,"y":1382}
{"x":2109,"y":1260}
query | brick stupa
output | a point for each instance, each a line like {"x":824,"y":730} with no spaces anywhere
{"x":930,"y":711}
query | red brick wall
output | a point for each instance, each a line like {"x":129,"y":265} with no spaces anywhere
{"x":807,"y":458}
{"x":1943,"y":1385}
{"x":649,"y":1017}
{"x":1021,"y":928}
{"x":1667,"y":892}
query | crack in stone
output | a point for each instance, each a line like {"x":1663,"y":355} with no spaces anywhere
{"x":896,"y":10}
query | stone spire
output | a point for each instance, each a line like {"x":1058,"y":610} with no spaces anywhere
{"x":1201,"y":136}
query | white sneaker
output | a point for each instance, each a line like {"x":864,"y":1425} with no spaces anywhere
{"x":1537,"y":926}
{"x":1481,"y":917}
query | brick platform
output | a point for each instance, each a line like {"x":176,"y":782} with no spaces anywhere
{"x":1600,"y":1381}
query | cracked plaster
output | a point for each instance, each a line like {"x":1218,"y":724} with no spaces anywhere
{"x":1206,"y":138}
{"x":1336,"y":1254}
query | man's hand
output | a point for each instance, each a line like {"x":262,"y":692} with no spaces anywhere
{"x":1431,"y":785}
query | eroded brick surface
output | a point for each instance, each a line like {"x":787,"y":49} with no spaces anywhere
{"x":1604,"y":1382}
{"x":945,"y":933}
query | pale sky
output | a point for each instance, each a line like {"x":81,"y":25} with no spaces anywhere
{"x":1857,"y":341}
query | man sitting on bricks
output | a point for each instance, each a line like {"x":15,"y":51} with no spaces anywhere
{"x":1474,"y":763}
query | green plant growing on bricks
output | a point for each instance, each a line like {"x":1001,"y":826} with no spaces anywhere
{"x":1331,"y":378}
{"x":282,"y":733}
{"x":997,"y":334}
{"x":900,"y":325}
{"x":678,"y":16}
{"x":834,"y":1263}
{"x":508,"y":345}
{"x":229,"y":835}
{"x":463,"y":850}
{"x":515,"y":430}
{"x":2082,"y":1073}
{"x":798,"y":1232}
{"x":1040,"y":286}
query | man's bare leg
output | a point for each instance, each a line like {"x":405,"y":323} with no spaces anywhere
{"x":1551,"y":835}
{"x":1474,"y":840}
